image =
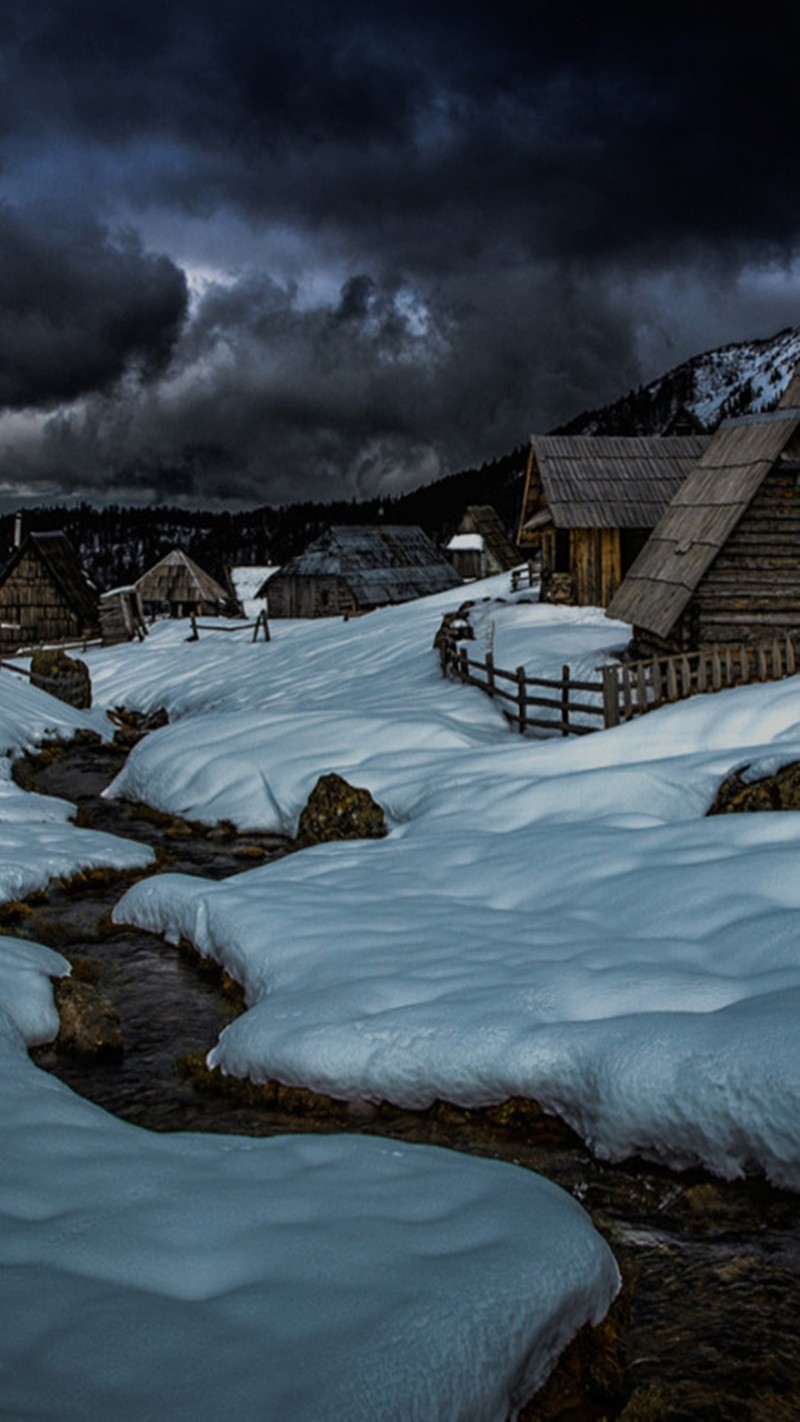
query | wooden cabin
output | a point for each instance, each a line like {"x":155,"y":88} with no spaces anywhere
{"x":45,"y":595}
{"x":590,"y":503}
{"x":178,"y":587}
{"x":480,"y":546}
{"x":722,"y":565}
{"x":354,"y":568}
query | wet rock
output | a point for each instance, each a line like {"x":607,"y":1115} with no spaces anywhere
{"x":66,"y":678}
{"x":780,"y":791}
{"x":590,"y":1379}
{"x":337,"y":810}
{"x":90,"y":1025}
{"x":132,"y":726}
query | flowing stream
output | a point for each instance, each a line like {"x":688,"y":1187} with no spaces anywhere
{"x":712,"y":1319}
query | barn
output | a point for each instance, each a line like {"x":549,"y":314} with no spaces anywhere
{"x":179,"y":587}
{"x":480,"y":545}
{"x":722,"y":565}
{"x":590,"y":503}
{"x":45,"y":595}
{"x":353,"y":568}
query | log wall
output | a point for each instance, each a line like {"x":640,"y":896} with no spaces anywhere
{"x":33,"y":609}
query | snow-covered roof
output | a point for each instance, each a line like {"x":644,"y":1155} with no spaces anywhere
{"x":465,"y":543}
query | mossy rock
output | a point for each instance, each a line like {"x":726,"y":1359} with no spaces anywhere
{"x":780,"y":791}
{"x":66,"y":678}
{"x":337,"y":810}
{"x":90,"y":1025}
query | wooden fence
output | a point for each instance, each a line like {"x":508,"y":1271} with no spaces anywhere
{"x":623,"y":689}
{"x":634,"y":688}
{"x":523,"y":697}
{"x":260,"y":625}
{"x":524,"y":577}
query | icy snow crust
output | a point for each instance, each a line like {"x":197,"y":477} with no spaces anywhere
{"x":553,"y":919}
{"x":199,"y":1278}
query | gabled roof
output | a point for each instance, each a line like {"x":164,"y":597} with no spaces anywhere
{"x":606,"y":481}
{"x":63,"y":566}
{"x":388,"y":564}
{"x":177,"y":578}
{"x":700,"y":519}
{"x":483,"y":519}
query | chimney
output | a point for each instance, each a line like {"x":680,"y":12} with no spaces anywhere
{"x":17,"y":531}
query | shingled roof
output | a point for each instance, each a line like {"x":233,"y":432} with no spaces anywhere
{"x":387,"y":564}
{"x":177,"y":578}
{"x":597,"y":481}
{"x":700,"y":519}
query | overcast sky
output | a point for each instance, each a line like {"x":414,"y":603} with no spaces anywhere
{"x":262,"y":251}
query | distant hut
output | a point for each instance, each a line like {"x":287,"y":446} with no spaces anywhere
{"x":180,"y":587}
{"x":45,"y":595}
{"x":480,"y":545}
{"x":354,"y":568}
{"x":723,"y":563}
{"x":121,"y":616}
{"x":590,"y":503}
{"x":684,"y":422}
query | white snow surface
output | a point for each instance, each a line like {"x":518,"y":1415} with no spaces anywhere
{"x":555,"y":919}
{"x":302,"y":1277}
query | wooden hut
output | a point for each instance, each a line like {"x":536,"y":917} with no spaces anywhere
{"x":179,"y":587}
{"x":45,"y":595}
{"x":480,"y":545}
{"x":354,"y":568}
{"x":121,"y":616}
{"x":722,"y":565}
{"x":590,"y":503}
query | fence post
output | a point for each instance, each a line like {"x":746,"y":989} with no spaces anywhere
{"x":791,"y":660}
{"x":522,"y":697}
{"x":777,"y":668}
{"x":195,"y":637}
{"x":610,"y":697}
{"x":762,"y":663}
{"x":565,"y":701}
{"x":490,"y":673}
{"x":463,"y":664}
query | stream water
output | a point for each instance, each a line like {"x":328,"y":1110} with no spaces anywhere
{"x":712,"y":1319}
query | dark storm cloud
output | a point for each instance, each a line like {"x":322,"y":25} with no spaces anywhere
{"x":78,"y":309}
{"x":504,"y":194}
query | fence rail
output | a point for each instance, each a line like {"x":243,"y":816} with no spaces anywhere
{"x":522,"y":696}
{"x":623,"y":690}
{"x":524,"y":577}
{"x":260,"y":625}
{"x":634,"y":688}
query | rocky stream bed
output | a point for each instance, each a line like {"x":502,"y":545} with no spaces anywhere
{"x":708,"y":1324}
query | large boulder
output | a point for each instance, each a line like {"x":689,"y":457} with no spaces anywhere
{"x":337,"y":810}
{"x":780,"y":791}
{"x":65,"y":677}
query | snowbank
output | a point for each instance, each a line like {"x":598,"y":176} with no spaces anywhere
{"x":553,"y":919}
{"x":300,"y":1277}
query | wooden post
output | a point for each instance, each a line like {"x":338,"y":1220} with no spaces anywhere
{"x":627,"y":700}
{"x":672,"y":680}
{"x":791,"y":660}
{"x":522,"y":697}
{"x":641,"y":689}
{"x":195,"y":637}
{"x":565,"y":701}
{"x":610,"y":697}
{"x":261,"y":621}
{"x":658,"y":687}
{"x":686,"y":677}
{"x":762,"y":663}
{"x":744,"y":663}
{"x":463,"y":664}
{"x":716,"y":670}
{"x":702,"y":673}
{"x":490,"y":673}
{"x":777,"y":667}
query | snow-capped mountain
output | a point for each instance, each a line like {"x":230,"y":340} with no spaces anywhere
{"x":742,"y":378}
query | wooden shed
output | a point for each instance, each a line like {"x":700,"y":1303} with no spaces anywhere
{"x":590,"y":503}
{"x":45,"y":595}
{"x":179,"y":587}
{"x":480,"y":545}
{"x":722,"y":565}
{"x":355,"y":568}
